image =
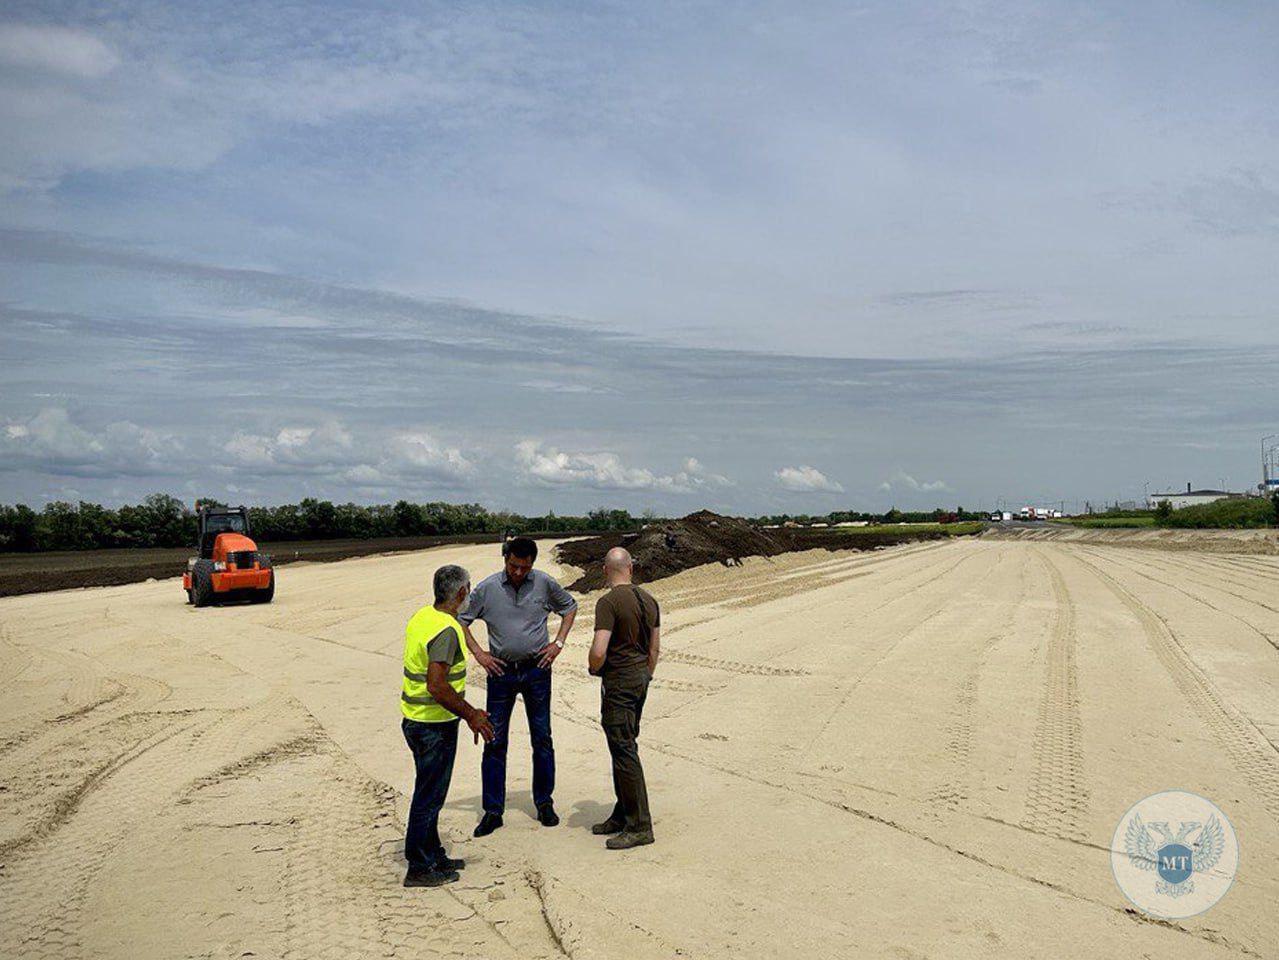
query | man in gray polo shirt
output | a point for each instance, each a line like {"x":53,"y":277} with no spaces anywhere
{"x":514,"y":605}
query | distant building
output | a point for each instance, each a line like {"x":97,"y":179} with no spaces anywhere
{"x":1190,"y":498}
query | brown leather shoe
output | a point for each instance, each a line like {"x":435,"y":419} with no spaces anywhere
{"x":629,"y":838}
{"x":608,"y":826}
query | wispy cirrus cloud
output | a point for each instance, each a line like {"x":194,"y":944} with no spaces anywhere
{"x":630,"y":174}
{"x":56,"y":50}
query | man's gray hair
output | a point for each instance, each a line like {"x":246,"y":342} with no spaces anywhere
{"x":449,"y":579}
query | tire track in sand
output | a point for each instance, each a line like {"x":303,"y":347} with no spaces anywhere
{"x":84,"y":689}
{"x":1057,"y":797}
{"x":732,"y":666}
{"x":887,"y":819}
{"x":1249,"y":750}
{"x":1194,"y":577}
{"x":344,"y":899}
{"x":933,"y":609}
{"x":48,"y":875}
{"x":954,"y":786}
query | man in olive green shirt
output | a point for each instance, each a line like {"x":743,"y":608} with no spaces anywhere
{"x":624,"y":654}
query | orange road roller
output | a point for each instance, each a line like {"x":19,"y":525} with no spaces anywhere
{"x":228,"y":565}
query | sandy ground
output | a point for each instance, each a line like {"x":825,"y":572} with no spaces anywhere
{"x":921,"y":752}
{"x":1262,"y":541}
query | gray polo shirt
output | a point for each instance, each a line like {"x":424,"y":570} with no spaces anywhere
{"x":516,"y":619}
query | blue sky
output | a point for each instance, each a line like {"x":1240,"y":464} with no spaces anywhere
{"x":760,"y":257}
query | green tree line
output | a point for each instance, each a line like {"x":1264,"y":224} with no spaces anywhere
{"x":939,"y":515}
{"x":164,"y":521}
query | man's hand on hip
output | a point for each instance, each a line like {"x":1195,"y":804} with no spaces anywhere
{"x":491,"y":664}
{"x":548,"y":655}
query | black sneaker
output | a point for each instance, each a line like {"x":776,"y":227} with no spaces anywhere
{"x":488,"y":823}
{"x":608,"y":826}
{"x":430,"y":878}
{"x":447,"y":863}
{"x":547,"y":816}
{"x":628,"y":839}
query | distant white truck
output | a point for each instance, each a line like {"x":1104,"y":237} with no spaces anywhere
{"x":1037,"y":513}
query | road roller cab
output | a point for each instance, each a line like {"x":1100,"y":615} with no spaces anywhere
{"x":228,"y":565}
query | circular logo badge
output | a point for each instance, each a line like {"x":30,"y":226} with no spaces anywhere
{"x":1174,"y":854}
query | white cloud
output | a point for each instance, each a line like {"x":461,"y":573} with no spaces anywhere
{"x":331,"y":450}
{"x":326,"y":445}
{"x":419,"y":455}
{"x":53,"y":442}
{"x":58,"y":50}
{"x":546,"y":465}
{"x":901,"y":480}
{"x":695,"y":474}
{"x":806,"y":479}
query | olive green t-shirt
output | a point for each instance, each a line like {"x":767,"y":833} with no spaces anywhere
{"x":619,"y":611}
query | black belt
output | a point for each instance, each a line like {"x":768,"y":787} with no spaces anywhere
{"x":520,"y":664}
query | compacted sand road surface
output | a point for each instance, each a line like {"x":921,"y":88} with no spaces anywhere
{"x":921,"y":752}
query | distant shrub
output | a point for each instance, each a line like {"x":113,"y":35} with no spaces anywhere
{"x":1240,"y":513}
{"x":1110,"y":523}
{"x":1124,"y":514}
{"x":963,"y":529}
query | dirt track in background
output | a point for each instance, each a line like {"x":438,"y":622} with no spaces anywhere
{"x":1261,"y":541}
{"x":917,"y":752}
{"x":23,"y":573}
{"x":665,"y":548}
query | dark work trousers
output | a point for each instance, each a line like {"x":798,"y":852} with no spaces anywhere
{"x":434,"y":746}
{"x":531,"y":682}
{"x":622,"y":696}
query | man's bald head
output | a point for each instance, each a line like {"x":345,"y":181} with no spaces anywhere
{"x":618,"y":565}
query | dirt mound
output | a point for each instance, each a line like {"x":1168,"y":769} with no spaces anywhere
{"x":665,"y":548}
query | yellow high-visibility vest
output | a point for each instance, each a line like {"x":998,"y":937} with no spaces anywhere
{"x":415,"y":700}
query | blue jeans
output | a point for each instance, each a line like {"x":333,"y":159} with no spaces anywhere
{"x":534,"y":684}
{"x":434,"y":746}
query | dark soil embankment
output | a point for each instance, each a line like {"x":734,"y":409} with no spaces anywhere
{"x":22,"y":573}
{"x":665,"y":548}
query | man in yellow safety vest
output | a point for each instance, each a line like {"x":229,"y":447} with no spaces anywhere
{"x":431,"y":699}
